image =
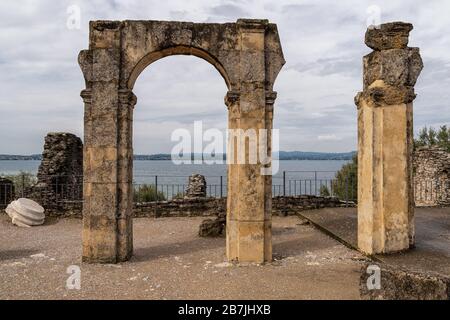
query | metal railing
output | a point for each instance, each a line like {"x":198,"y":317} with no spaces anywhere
{"x":432,"y":192}
{"x":166,"y":187}
{"x":59,"y":189}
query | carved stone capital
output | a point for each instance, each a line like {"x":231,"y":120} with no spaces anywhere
{"x":386,"y":95}
{"x":271,"y":96}
{"x":232,"y":97}
{"x":86,"y":95}
{"x":127,"y":97}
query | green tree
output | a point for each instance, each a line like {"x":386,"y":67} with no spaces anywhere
{"x":433,"y":137}
{"x":345,"y":185}
{"x":443,"y":137}
{"x":422,"y":140}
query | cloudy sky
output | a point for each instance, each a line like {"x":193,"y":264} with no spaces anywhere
{"x":322,"y":42}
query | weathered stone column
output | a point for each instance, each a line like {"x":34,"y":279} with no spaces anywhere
{"x":101,"y":68}
{"x":127,"y":101}
{"x":248,"y":218}
{"x":385,"y":141}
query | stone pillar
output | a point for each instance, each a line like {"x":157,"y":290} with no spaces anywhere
{"x":103,"y":146}
{"x":127,"y":101}
{"x":385,"y":141}
{"x":248,"y":217}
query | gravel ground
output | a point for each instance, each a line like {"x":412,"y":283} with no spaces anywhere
{"x":171,"y":262}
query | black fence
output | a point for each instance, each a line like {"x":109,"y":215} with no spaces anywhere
{"x":164,"y":187}
{"x":432,"y":192}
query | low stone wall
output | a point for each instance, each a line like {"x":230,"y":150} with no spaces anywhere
{"x":291,"y":205}
{"x":181,"y":208}
{"x":399,"y":284}
{"x":204,"y":207}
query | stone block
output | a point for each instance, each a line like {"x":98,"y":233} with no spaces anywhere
{"x":102,"y":199}
{"x":396,"y":67}
{"x":393,"y":35}
{"x":402,"y":284}
{"x":99,"y":239}
{"x":105,"y":66}
{"x":101,"y":165}
{"x":252,"y":246}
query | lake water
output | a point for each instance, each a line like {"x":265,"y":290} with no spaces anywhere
{"x":301,"y":175}
{"x":145,"y":171}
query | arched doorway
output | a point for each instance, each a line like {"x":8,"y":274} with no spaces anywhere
{"x":247,"y":54}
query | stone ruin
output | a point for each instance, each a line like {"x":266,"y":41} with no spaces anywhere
{"x":248,"y":55}
{"x":385,"y":140}
{"x":60,"y":174}
{"x":196,"y":187}
{"x":210,"y":227}
{"x":432,"y":176}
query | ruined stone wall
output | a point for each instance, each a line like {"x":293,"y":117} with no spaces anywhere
{"x":431,"y":176}
{"x":60,"y":174}
{"x":206,"y":207}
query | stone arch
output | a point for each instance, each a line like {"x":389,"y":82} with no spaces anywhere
{"x":154,"y":56}
{"x":247,"y":54}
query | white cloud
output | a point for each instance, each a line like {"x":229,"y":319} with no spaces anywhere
{"x":329,"y":137}
{"x":322,"y":42}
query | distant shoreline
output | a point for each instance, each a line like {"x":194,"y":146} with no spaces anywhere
{"x":283,"y":155}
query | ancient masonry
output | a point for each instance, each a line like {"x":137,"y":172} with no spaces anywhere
{"x":196,"y":187}
{"x":281,"y":206}
{"x":60,"y":174}
{"x":207,"y":207}
{"x":432,"y":176}
{"x":385,"y":140}
{"x":247,"y":54}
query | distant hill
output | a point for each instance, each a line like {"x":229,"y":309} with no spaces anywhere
{"x":20,"y":157}
{"x":283,"y":155}
{"x":301,"y":155}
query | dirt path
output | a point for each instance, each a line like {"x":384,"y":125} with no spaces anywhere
{"x":172,"y":262}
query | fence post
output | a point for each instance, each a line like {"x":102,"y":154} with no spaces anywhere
{"x":23,"y":185}
{"x":284,"y":183}
{"x":221,"y":187}
{"x":315,"y":183}
{"x":156,"y":187}
{"x":346,"y":190}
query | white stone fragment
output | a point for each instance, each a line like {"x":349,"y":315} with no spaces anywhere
{"x":25,"y":213}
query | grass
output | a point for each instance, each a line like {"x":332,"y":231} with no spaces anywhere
{"x":147,"y":193}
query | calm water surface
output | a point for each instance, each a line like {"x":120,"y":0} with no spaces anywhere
{"x":167,"y":172}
